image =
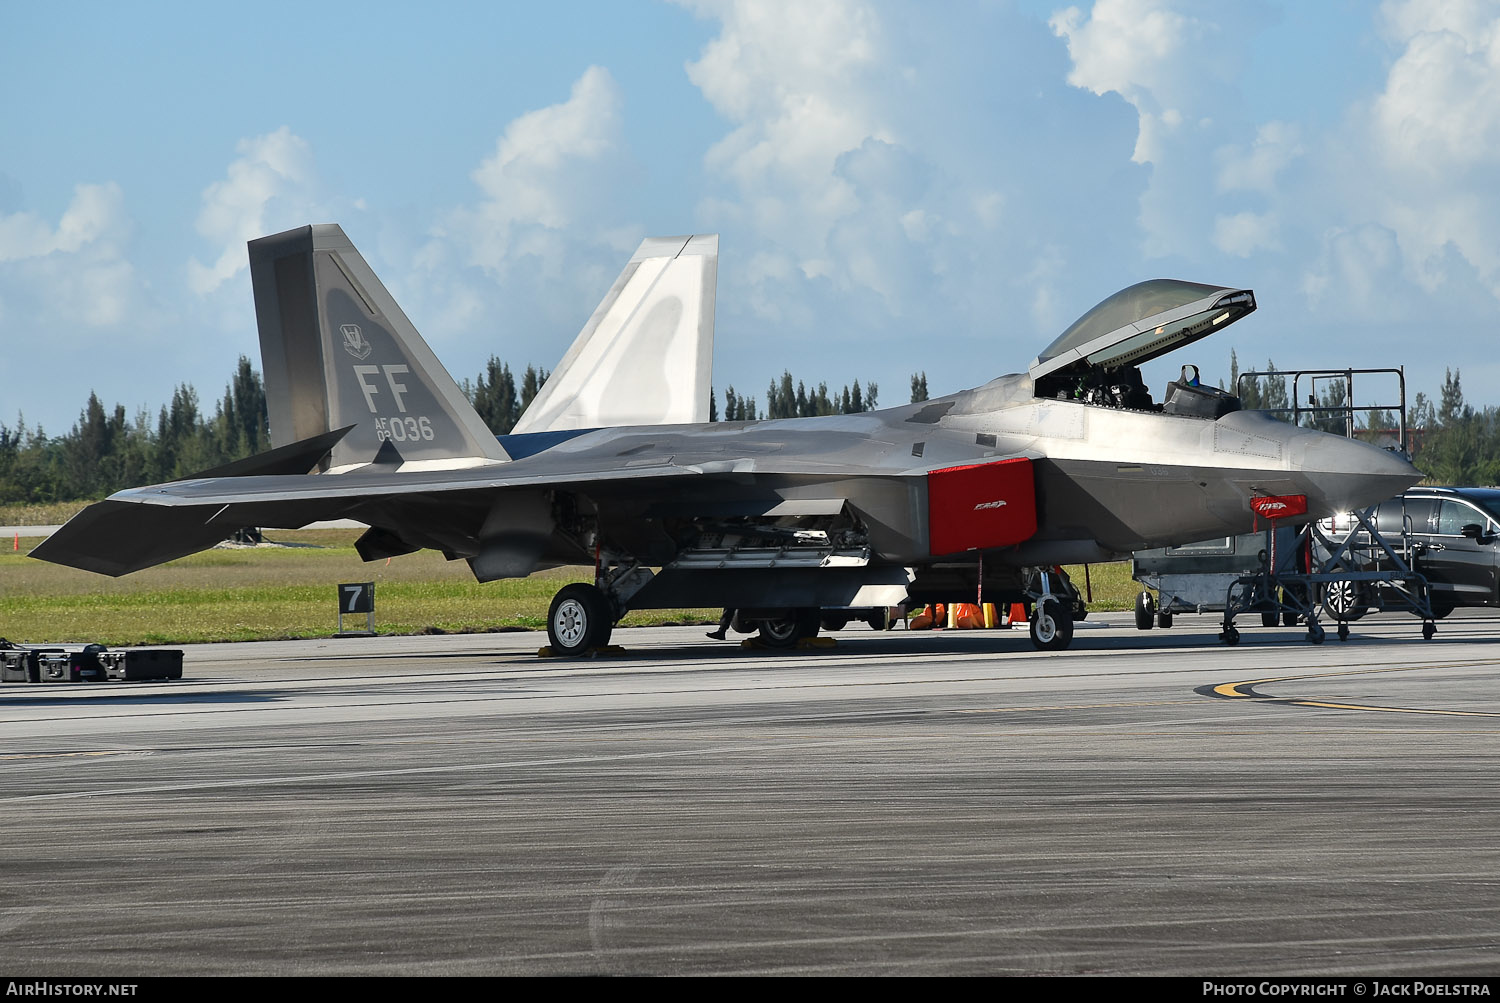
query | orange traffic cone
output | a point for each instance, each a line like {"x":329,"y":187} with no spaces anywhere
{"x":1017,"y":614}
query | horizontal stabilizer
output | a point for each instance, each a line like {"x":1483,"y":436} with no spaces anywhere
{"x":293,"y":458}
{"x":117,"y":537}
{"x":645,"y":357}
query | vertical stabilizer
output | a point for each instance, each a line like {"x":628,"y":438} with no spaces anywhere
{"x":646,"y":355}
{"x":337,"y":351}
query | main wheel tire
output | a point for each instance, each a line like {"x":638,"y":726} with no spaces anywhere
{"x":1145,"y":611}
{"x":835,"y":621}
{"x":579,"y":619}
{"x":1269,"y":618}
{"x":1230,"y":635}
{"x":1051,"y":625}
{"x":1345,"y":601}
{"x":879,"y":619}
{"x":1164,"y":620}
{"x":786,"y":631}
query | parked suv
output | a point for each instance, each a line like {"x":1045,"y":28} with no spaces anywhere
{"x":1455,"y":535}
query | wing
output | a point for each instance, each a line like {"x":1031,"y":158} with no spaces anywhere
{"x":633,"y":477}
{"x":446,"y":510}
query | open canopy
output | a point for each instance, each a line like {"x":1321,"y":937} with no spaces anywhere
{"x":1140,"y":323}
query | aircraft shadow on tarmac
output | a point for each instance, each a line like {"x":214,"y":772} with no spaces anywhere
{"x":956,"y":642}
{"x":154,"y":699}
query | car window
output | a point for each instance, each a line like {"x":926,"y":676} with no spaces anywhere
{"x":1491,"y":506}
{"x":1388,"y":519}
{"x":1453,"y":516}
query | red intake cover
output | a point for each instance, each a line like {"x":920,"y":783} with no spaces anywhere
{"x":980,"y":506}
{"x":1279,"y":506}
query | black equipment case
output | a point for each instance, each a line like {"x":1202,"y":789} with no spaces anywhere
{"x":76,"y":663}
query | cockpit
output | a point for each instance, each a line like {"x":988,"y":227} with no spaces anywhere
{"x":1097,"y":360}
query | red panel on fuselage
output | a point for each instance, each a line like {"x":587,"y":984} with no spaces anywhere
{"x":980,"y":506}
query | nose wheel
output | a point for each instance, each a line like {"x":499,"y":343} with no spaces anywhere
{"x":1051,"y":625}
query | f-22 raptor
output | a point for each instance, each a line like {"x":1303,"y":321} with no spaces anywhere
{"x":614,"y":466}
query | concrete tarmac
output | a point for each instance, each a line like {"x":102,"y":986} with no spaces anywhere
{"x":904,"y":803}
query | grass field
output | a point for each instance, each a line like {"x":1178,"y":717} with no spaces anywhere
{"x":266,"y":593}
{"x":50,"y":514}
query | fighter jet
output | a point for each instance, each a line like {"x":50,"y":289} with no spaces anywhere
{"x":614,"y":466}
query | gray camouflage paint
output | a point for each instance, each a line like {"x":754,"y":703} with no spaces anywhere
{"x":1108,"y":480}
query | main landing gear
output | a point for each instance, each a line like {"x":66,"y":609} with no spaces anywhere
{"x":796,"y":625}
{"x":582,"y":615}
{"x":580,"y":618}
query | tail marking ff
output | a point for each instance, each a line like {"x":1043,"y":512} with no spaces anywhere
{"x":337,"y":351}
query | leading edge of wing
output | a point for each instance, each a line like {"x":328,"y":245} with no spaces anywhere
{"x":145,"y":526}
{"x":364,"y":485}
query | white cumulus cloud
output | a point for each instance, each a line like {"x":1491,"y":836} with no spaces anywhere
{"x":1148,"y":52}
{"x":1441,"y":106}
{"x":849,"y":170}
{"x":1359,"y":266}
{"x":271,"y":182}
{"x":77,"y":270}
{"x":545,"y":172}
{"x":1255,"y":168}
{"x":1178,"y":64}
{"x":893,"y":175}
{"x":800,"y":83}
{"x":1431,"y":170}
{"x":96,"y":213}
{"x":512,"y":271}
{"x":1244,"y":233}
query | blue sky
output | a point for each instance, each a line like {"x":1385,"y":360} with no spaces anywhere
{"x":897,"y":187}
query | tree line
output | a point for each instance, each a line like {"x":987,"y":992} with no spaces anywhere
{"x":1451,"y":441}
{"x":108,"y":450}
{"x":784,"y":400}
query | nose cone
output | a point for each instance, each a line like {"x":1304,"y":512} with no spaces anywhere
{"x":1340,"y":474}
